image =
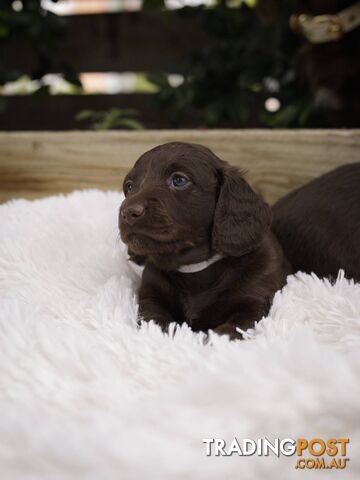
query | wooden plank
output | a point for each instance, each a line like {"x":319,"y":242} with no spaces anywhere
{"x":146,"y":41}
{"x":58,"y":112}
{"x":39,"y":164}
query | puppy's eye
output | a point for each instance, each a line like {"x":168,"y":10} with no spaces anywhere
{"x":178,"y":180}
{"x":128,"y":187}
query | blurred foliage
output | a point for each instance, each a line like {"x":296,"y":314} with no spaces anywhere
{"x":111,"y":119}
{"x":143,"y":85}
{"x":52,"y":84}
{"x":248,"y":60}
{"x":26,"y":23}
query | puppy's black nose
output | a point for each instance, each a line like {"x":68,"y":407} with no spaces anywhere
{"x":132,"y":213}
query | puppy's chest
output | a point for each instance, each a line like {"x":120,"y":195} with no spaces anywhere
{"x":201,"y":305}
{"x":194,"y":304}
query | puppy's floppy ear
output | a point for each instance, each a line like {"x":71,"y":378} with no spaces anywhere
{"x":241,"y":217}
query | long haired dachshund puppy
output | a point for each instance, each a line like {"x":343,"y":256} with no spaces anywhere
{"x":204,"y":237}
{"x":318,"y":224}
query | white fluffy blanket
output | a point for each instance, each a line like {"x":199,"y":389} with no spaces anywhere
{"x":84,"y":394}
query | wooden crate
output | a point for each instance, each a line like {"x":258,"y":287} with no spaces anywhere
{"x":37,"y":164}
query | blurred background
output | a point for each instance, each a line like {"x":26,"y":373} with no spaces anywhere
{"x":153,"y":64}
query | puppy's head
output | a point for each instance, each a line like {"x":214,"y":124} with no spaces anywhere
{"x":182,"y":197}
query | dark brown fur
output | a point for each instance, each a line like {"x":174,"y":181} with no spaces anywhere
{"x":318,"y":224}
{"x":332,"y":69}
{"x":217,"y":212}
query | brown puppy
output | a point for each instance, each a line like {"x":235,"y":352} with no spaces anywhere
{"x":204,"y":236}
{"x":318,"y":224}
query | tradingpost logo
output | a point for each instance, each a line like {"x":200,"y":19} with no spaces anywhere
{"x":315,"y":453}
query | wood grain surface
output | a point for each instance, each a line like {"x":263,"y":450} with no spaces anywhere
{"x":36,"y":164}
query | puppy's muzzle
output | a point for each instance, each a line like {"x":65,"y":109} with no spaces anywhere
{"x":132,"y":213}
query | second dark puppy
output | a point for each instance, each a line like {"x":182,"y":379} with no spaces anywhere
{"x":318,"y":224}
{"x":204,"y":236}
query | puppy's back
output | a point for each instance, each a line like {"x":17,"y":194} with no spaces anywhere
{"x":318,"y":224}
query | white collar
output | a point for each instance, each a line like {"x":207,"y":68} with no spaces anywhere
{"x":198,"y":267}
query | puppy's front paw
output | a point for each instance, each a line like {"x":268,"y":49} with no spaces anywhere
{"x":230,"y":330}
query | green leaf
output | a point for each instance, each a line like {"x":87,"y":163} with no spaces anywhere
{"x":4,"y":30}
{"x":84,"y":115}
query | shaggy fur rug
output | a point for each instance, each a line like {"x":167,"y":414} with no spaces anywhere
{"x":84,"y":394}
